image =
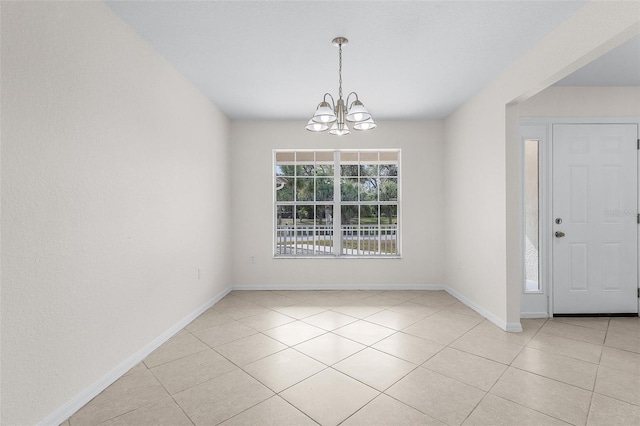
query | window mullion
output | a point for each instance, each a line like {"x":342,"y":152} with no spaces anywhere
{"x":295,"y":208}
{"x":337,"y":210}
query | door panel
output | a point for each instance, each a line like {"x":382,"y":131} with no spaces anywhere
{"x":595,"y":195}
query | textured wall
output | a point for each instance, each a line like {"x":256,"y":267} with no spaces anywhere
{"x":115,"y":189}
{"x":422,"y":197}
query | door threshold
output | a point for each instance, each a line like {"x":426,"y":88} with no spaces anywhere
{"x":630,"y":314}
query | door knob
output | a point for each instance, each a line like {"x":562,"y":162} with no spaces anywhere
{"x":559,"y":234}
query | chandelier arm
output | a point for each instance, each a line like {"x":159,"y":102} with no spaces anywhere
{"x":333,"y":101}
{"x":349,"y":96}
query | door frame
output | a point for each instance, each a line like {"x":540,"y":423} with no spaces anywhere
{"x":540,"y":304}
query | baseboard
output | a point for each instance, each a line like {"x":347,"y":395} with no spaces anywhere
{"x":68,"y":409}
{"x":311,"y":287}
{"x":534,"y":315}
{"x":511,"y":327}
{"x":514,"y":327}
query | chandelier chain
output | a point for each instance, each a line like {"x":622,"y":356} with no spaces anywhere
{"x":340,"y":71}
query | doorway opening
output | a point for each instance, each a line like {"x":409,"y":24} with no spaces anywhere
{"x":581,"y":191}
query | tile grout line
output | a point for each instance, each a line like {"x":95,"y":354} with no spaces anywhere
{"x":383,"y":392}
{"x":549,"y":378}
{"x":174,"y":400}
{"x":249,"y":304}
{"x":515,"y":402}
{"x":370,"y":346}
{"x":398,"y":331}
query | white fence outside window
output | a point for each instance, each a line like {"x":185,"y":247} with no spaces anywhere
{"x":366,"y":240}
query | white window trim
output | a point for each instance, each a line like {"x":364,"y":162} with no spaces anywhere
{"x":337,"y":203}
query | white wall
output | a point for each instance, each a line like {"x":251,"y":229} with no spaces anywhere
{"x":115,"y":189}
{"x":422,"y":196}
{"x":568,"y":101}
{"x":483,"y":158}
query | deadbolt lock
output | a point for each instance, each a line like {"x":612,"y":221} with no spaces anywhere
{"x":558,"y":221}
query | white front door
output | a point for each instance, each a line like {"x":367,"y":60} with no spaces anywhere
{"x":595,"y":207}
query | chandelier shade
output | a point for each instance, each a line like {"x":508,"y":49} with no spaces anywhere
{"x":324,"y":113}
{"x":339,"y":129}
{"x":312,"y":126}
{"x":365,"y":125}
{"x":358,"y":112}
{"x":336,"y":114}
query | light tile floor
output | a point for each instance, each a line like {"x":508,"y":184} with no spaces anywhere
{"x":377,"y":358}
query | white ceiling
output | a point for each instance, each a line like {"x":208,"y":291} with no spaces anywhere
{"x":406,"y":59}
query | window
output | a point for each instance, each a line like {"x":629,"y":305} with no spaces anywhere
{"x":531,"y":178}
{"x":337,"y":203}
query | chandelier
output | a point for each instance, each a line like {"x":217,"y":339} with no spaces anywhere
{"x":333,"y":116}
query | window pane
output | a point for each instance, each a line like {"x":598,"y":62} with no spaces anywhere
{"x":324,"y":157}
{"x":284,"y":189}
{"x":388,"y":215}
{"x":304,"y":189}
{"x":389,"y":230}
{"x":324,"y":230}
{"x":285,"y":157}
{"x":305,"y":170}
{"x":324,"y":170}
{"x":388,"y":189}
{"x":324,"y":215}
{"x":285,"y":233}
{"x":285,"y":170}
{"x":349,"y":158}
{"x":305,"y":157}
{"x":324,"y":189}
{"x":349,"y":170}
{"x":531,"y":215}
{"x":349,"y":189}
{"x":304,"y":230}
{"x":369,"y":189}
{"x":349,"y":215}
{"x":389,"y":156}
{"x":369,"y":230}
{"x":305,"y":216}
{"x":349,"y":229}
{"x":285,"y":215}
{"x":388,"y":170}
{"x":369,"y":157}
{"x":369,"y":170}
{"x":369,"y":215}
